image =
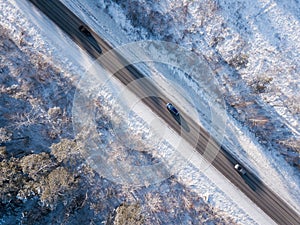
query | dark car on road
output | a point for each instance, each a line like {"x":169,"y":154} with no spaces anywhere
{"x":86,"y":32}
{"x":172,"y":109}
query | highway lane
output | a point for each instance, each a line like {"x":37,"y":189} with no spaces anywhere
{"x":261,"y":195}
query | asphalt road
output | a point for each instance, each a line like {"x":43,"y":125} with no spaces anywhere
{"x":259,"y":193}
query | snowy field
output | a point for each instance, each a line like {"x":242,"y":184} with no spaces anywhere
{"x":253,"y":68}
{"x":72,"y":62}
{"x":41,"y":69}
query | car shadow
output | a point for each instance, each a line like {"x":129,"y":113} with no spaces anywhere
{"x":253,"y":182}
{"x":249,"y":182}
{"x":182,"y":122}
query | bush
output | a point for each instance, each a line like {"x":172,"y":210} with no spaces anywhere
{"x":128,"y":215}
{"x":36,"y":165}
{"x":58,"y":183}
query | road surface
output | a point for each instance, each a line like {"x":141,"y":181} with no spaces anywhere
{"x":249,"y":184}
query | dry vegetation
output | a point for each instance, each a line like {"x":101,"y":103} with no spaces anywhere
{"x":228,"y":44}
{"x":44,"y":176}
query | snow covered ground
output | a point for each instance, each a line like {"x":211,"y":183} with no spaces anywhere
{"x":240,"y":43}
{"x":69,"y":56}
{"x":46,"y":94}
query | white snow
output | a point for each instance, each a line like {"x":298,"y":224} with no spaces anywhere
{"x":268,"y":165}
{"x":272,"y":169}
{"x":189,"y":166}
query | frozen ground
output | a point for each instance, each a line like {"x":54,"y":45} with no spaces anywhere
{"x":44,"y":177}
{"x":253,"y":50}
{"x":215,"y":198}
